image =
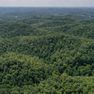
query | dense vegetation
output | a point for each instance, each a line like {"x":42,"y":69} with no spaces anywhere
{"x":47,"y":51}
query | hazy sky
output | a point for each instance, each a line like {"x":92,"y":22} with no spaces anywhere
{"x":46,"y":3}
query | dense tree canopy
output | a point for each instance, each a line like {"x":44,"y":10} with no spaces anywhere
{"x":47,"y":53}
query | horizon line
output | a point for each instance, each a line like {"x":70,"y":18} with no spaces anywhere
{"x":46,"y":6}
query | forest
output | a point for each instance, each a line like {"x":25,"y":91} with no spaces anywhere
{"x":46,"y":51}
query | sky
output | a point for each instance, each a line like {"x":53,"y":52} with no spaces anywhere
{"x":47,"y":3}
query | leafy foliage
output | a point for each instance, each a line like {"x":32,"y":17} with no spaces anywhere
{"x":47,"y":53}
